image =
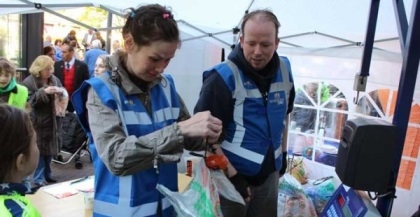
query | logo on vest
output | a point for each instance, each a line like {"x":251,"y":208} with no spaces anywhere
{"x":247,"y":84}
{"x":277,"y":99}
{"x":129,"y":102}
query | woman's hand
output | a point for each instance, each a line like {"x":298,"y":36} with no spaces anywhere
{"x":53,"y":90}
{"x":202,"y":124}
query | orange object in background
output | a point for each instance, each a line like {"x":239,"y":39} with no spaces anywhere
{"x":411,"y":150}
{"x":406,"y":174}
{"x":189,"y":167}
{"x":388,"y":99}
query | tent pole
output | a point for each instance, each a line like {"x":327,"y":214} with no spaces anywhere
{"x":370,"y":37}
{"x":207,"y":35}
{"x":108,"y":33}
{"x":360,"y":79}
{"x":402,"y":23}
{"x":59,"y":15}
{"x":410,"y":66}
{"x":31,"y":5}
{"x":290,"y":44}
{"x":110,"y":28}
{"x":202,"y":31}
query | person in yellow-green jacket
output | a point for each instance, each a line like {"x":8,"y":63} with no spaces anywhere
{"x":17,"y":161}
{"x":12,"y":93}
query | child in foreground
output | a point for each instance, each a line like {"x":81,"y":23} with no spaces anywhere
{"x":19,"y":156}
{"x":12,"y":93}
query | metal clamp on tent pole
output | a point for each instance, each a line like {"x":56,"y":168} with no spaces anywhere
{"x":356,"y":99}
{"x":359,"y":85}
{"x":38,"y":5}
{"x":235,"y":32}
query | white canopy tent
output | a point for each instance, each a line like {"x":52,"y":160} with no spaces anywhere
{"x":323,"y":39}
{"x":309,"y":24}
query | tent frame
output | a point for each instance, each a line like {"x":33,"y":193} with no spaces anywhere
{"x":409,"y":36}
{"x":410,"y":46}
{"x":49,"y":8}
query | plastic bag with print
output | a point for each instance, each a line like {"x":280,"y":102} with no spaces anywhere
{"x":61,"y":101}
{"x":200,"y":198}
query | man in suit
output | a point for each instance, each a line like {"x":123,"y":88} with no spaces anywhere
{"x":70,"y":71}
{"x":88,"y":38}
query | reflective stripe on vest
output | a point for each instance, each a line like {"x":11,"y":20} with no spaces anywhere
{"x":246,"y":148}
{"x":132,"y":116}
{"x":159,"y":116}
{"x":24,"y":203}
{"x":124,"y":208}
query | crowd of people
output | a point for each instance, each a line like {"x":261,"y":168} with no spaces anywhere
{"x":91,"y":40}
{"x":138,"y":124}
{"x":56,"y":71}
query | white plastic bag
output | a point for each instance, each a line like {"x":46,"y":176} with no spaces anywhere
{"x":200,"y":197}
{"x":225,"y":187}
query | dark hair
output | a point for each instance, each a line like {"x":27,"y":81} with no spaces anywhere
{"x":264,"y":14}
{"x":72,"y":44}
{"x":16,"y":136}
{"x":150,"y":23}
{"x":48,"y":49}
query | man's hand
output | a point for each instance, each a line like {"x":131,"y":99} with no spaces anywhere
{"x":239,"y":181}
{"x":242,"y":186}
{"x":284,"y":164}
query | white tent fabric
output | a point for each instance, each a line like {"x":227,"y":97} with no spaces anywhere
{"x":342,"y":19}
{"x":314,"y":26}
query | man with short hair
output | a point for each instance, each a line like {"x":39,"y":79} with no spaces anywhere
{"x":252,"y":93}
{"x":70,"y":71}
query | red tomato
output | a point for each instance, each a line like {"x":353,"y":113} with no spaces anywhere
{"x":216,"y":161}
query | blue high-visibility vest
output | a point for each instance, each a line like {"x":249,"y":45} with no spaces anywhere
{"x":132,"y":195}
{"x":255,"y":126}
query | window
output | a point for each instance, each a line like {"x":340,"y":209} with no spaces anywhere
{"x":10,"y":38}
{"x":319,"y":114}
{"x":380,"y":104}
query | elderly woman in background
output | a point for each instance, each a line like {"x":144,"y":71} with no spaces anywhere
{"x":43,"y":88}
{"x":101,"y":64}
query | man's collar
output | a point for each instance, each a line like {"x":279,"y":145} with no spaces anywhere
{"x":71,"y":62}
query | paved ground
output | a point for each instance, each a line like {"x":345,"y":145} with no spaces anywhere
{"x":66,"y":172}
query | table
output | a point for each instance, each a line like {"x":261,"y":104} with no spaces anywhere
{"x":72,"y":206}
